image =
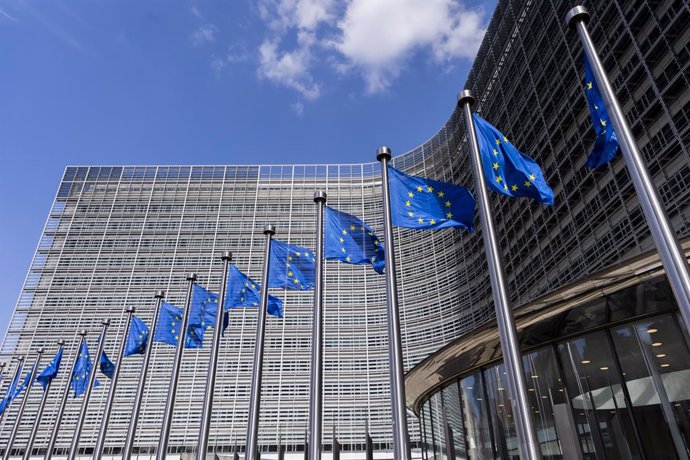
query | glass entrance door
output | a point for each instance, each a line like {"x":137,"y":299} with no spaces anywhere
{"x":656,"y":369}
{"x":598,"y":400}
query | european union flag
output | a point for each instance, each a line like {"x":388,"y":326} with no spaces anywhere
{"x":245,"y":292}
{"x":82,"y":370}
{"x":169,"y":325}
{"x":606,"y":144}
{"x":51,"y":370}
{"x":24,"y":384}
{"x":292,"y":267}
{"x":11,"y":389}
{"x":422,"y":203}
{"x":203,"y":311}
{"x":137,"y":338}
{"x":107,"y":366}
{"x":349,"y":239}
{"x":506,"y":169}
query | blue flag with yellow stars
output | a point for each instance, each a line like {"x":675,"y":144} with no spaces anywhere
{"x":506,"y":169}
{"x":292,"y":267}
{"x":107,"y":366}
{"x":12,"y":389}
{"x":245,"y":292}
{"x":422,"y":203}
{"x":137,"y":338}
{"x":51,"y":370}
{"x":606,"y":144}
{"x":169,"y":325}
{"x":23,"y":385}
{"x":203,"y":311}
{"x":349,"y":239}
{"x":82,"y":370}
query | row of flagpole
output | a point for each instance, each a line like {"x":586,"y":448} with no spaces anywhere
{"x":671,"y":256}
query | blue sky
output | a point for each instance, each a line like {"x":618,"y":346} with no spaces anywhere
{"x":211,"y":82}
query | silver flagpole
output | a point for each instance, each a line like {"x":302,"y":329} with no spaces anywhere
{"x":336,"y":446}
{"x":672,"y":257}
{"x":316,"y":382}
{"x":527,"y":437}
{"x":255,"y":395}
{"x":74,"y":448}
{"x":63,"y":403}
{"x":100,"y":442}
{"x":39,"y":413}
{"x":175,"y":376}
{"x":132,"y":430}
{"x":22,"y":406}
{"x":17,"y":371}
{"x":213,"y":362}
{"x":401,"y":440}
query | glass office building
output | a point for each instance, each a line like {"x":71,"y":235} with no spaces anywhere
{"x":606,"y":356}
{"x":116,"y":234}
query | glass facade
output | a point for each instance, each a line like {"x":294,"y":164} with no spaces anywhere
{"x":616,"y":389}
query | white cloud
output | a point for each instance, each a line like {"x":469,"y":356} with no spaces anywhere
{"x":373,"y":38}
{"x":288,"y":68}
{"x":301,"y":14}
{"x":377,"y":37}
{"x":292,"y":67}
{"x":204,"y":34}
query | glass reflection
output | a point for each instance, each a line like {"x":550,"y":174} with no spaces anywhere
{"x":438,"y":427}
{"x":475,"y":418}
{"x":656,"y":370}
{"x":551,"y":414}
{"x":502,"y":413}
{"x":452,"y":410}
{"x":597,"y":399}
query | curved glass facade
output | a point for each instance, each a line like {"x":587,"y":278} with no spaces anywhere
{"x":609,"y":380}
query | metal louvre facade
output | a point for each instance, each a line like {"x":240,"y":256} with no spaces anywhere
{"x":116,"y":234}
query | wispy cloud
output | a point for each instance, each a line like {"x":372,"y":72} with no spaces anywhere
{"x":298,"y":108}
{"x":204,"y":34}
{"x":7,"y":15}
{"x":57,"y":29}
{"x":290,"y":66}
